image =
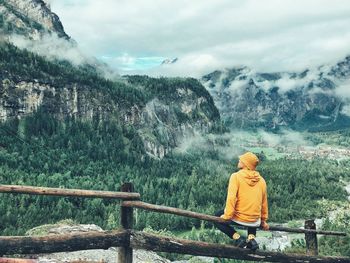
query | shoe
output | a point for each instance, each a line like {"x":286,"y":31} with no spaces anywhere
{"x":251,"y":243}
{"x":239,"y":241}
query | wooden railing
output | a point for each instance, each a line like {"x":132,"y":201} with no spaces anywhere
{"x":127,"y":239}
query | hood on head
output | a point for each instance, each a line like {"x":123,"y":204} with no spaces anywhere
{"x":251,"y":177}
{"x":250,"y":160}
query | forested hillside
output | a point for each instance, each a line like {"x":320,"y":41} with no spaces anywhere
{"x":160,"y":110}
{"x":307,"y":100}
{"x":63,"y":124}
{"x":41,"y":150}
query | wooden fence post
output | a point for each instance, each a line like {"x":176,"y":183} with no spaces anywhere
{"x":311,"y":238}
{"x":126,"y":221}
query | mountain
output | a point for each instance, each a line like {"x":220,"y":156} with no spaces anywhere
{"x":64,"y":125}
{"x":169,"y":61}
{"x":161,"y":111}
{"x":310,"y":100}
{"x":31,"y":25}
{"x":31,"y":18}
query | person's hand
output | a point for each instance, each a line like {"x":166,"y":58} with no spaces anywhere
{"x":264,"y":225}
{"x":223,"y":217}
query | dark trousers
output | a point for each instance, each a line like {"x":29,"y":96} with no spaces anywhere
{"x":229,"y":230}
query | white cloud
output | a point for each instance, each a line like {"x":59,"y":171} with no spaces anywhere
{"x":283,"y":138}
{"x":269,"y":35}
{"x":346,"y":110}
{"x":343,"y":90}
{"x":51,"y":46}
{"x":230,"y":145}
{"x":287,"y":82}
{"x":237,"y":85}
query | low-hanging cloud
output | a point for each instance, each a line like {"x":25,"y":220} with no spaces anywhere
{"x":343,"y":90}
{"x":288,"y":82}
{"x":284,"y":138}
{"x":346,"y":110}
{"x":231,"y":144}
{"x":53,"y":47}
{"x":205,"y":35}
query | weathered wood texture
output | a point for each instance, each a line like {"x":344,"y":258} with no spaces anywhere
{"x":62,"y":243}
{"x":32,"y":190}
{"x":157,"y":243}
{"x":126,"y":221}
{"x":311,"y":238}
{"x":17,"y":260}
{"x":172,"y":210}
{"x":140,"y":240}
{"x":181,"y":212}
{"x":25,"y":260}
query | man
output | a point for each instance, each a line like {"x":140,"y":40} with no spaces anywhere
{"x":246,"y":202}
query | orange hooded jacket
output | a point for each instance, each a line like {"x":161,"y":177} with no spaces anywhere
{"x":246,"y":198}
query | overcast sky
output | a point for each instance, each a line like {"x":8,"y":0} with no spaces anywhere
{"x":266,"y":35}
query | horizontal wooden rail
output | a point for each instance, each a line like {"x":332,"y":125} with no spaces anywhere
{"x":157,"y":243}
{"x":17,"y":260}
{"x":301,"y":230}
{"x":181,"y":212}
{"x":128,"y":239}
{"x":32,"y":190}
{"x":62,"y":243}
{"x":173,"y":210}
{"x":23,"y":260}
{"x":141,"y":240}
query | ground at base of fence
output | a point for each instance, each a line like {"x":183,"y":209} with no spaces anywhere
{"x":101,"y":256}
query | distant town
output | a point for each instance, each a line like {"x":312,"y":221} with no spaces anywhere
{"x":298,"y":151}
{"x":312,"y":152}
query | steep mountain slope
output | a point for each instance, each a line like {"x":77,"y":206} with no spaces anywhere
{"x":31,"y":25}
{"x":31,"y":18}
{"x":161,"y":110}
{"x":313,"y":99}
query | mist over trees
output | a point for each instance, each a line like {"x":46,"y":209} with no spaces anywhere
{"x":42,"y":151}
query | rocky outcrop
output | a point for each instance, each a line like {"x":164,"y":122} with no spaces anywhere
{"x":162,"y":111}
{"x":162,"y":128}
{"x":19,"y":99}
{"x":94,"y":255}
{"x":305,"y":100}
{"x":99,"y":255}
{"x":63,"y":227}
{"x":158,"y":123}
{"x":31,"y":25}
{"x":31,"y":18}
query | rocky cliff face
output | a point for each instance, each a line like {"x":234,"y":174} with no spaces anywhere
{"x":29,"y":83}
{"x":31,"y":18}
{"x":177,"y":109}
{"x":163,"y":111}
{"x":157,"y":122}
{"x":30,"y":24}
{"x":307,"y":100}
{"x":22,"y":98}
